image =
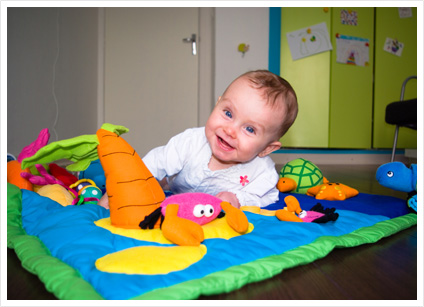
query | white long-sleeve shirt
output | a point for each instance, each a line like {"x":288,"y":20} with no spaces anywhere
{"x":184,"y":161}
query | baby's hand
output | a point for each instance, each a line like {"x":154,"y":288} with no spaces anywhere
{"x":104,"y":201}
{"x":229,"y":197}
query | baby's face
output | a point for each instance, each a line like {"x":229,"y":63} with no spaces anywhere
{"x":242,"y":125}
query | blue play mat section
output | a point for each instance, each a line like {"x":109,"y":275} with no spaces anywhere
{"x":67,"y":240}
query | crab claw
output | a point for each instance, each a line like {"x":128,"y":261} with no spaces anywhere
{"x":236,"y":218}
{"x":292,"y":204}
{"x":179,"y":230}
{"x":288,"y":214}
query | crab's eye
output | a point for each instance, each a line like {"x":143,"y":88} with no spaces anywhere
{"x":303,"y":214}
{"x":199,"y":211}
{"x":208,"y":210}
{"x":95,"y":192}
{"x":390,"y":174}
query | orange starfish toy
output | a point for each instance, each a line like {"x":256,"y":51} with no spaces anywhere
{"x":332,"y":191}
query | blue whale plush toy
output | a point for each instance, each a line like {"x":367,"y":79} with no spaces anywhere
{"x":396,"y":176}
{"x":96,"y":173}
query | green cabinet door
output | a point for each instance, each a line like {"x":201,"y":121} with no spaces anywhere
{"x":341,"y":105}
{"x":310,"y":78}
{"x":351,"y":85}
{"x":335,"y":100}
{"x":390,"y":72}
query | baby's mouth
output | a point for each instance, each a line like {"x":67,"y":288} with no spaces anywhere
{"x":224,"y":145}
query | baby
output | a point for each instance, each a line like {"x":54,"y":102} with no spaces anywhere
{"x":228,"y":157}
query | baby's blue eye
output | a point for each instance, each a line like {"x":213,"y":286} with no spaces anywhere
{"x":228,"y":113}
{"x":250,"y":129}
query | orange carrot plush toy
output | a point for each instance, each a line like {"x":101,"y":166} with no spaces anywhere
{"x":132,"y":190}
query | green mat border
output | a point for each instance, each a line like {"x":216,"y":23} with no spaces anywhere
{"x":69,"y":284}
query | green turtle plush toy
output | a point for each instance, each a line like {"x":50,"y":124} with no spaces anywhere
{"x":298,"y":176}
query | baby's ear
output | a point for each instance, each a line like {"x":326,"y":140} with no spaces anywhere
{"x":270,"y":148}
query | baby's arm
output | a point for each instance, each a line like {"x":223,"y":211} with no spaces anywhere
{"x":104,"y":201}
{"x":249,"y":199}
{"x":260,"y":191}
{"x":168,"y":160}
{"x":229,"y":197}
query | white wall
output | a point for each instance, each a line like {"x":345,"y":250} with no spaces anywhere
{"x":34,"y":35}
{"x":234,"y":26}
{"x":37,"y":38}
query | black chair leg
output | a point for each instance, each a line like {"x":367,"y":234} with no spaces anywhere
{"x":394,"y":143}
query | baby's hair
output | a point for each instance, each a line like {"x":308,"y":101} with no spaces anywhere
{"x":276,"y":87}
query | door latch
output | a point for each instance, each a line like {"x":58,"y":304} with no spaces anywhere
{"x":193,"y":42}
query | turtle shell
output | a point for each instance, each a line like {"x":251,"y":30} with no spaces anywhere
{"x":304,"y":173}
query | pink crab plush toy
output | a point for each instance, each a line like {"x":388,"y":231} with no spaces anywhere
{"x":183,"y":214}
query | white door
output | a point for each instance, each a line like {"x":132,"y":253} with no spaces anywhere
{"x":151,"y":75}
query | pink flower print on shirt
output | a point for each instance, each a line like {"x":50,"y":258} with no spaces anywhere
{"x":243,"y":180}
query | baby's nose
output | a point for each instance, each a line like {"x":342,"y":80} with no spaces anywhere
{"x":230,"y":131}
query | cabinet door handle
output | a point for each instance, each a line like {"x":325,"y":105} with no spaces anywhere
{"x":193,"y":42}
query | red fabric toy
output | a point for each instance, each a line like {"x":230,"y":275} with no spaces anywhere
{"x":62,"y":174}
